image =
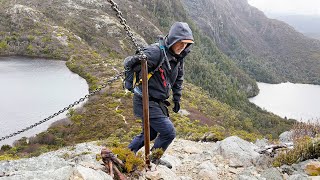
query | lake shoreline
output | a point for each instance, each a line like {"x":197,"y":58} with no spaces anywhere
{"x":36,"y":84}
{"x":289,"y":100}
{"x":32,"y":57}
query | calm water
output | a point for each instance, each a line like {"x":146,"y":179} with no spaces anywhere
{"x":297,"y":101}
{"x":33,"y":89}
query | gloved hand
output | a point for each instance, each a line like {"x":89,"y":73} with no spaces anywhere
{"x":176,"y":107}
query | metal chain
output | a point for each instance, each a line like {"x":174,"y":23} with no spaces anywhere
{"x":123,"y":21}
{"x":142,"y":56}
{"x":66,"y":108}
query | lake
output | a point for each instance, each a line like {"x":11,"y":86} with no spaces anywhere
{"x":33,"y":89}
{"x":296,"y":101}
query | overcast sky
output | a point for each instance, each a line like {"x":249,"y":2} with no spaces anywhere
{"x":302,"y":7}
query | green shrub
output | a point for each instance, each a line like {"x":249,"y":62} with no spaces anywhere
{"x":246,"y":135}
{"x":156,"y":153}
{"x":7,"y":157}
{"x":304,"y":148}
{"x":30,"y":49}
{"x":3,"y":45}
{"x":5,"y":147}
{"x":31,"y":38}
{"x":131,"y":161}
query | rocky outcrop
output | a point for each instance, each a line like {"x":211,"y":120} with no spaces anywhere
{"x":78,"y":162}
{"x":241,"y":152}
{"x":286,"y":137}
{"x":231,"y":158}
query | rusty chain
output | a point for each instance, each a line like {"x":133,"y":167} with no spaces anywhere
{"x":123,"y":22}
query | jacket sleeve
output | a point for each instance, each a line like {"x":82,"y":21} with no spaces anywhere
{"x":177,"y":86}
{"x":154,"y":56}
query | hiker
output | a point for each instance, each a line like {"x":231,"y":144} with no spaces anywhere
{"x":167,"y":64}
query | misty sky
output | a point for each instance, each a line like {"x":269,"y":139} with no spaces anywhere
{"x":301,"y":7}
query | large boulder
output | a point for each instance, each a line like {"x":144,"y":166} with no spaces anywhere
{"x":70,"y":163}
{"x":286,"y":137}
{"x":235,"y":147}
{"x":272,"y":174}
{"x":207,"y":171}
{"x":249,"y":173}
{"x":298,"y":177}
{"x":81,"y":172}
{"x":160,"y":172}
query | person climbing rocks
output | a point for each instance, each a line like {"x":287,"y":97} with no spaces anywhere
{"x":167,"y":62}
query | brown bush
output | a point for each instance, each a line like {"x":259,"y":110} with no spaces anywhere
{"x":301,"y":129}
{"x":43,"y":138}
{"x":31,"y":148}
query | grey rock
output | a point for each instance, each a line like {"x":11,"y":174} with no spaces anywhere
{"x":67,"y":163}
{"x":185,"y":178}
{"x":58,"y":174}
{"x":207,"y":171}
{"x":235,"y":147}
{"x":184,"y":112}
{"x":191,"y":150}
{"x":250,"y":173}
{"x":208,"y":166}
{"x":245,"y":177}
{"x":301,"y":166}
{"x":314,"y":178}
{"x":174,"y":161}
{"x":205,"y":174}
{"x":286,"y":137}
{"x":287,"y":169}
{"x":198,"y":157}
{"x":233,"y":162}
{"x":209,"y":137}
{"x":235,"y":170}
{"x":298,"y":177}
{"x":261,"y":142}
{"x":81,"y":172}
{"x":272,"y":174}
{"x":263,"y":161}
{"x":41,"y":163}
{"x":162,"y":172}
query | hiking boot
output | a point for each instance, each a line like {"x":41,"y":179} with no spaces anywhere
{"x":161,"y":162}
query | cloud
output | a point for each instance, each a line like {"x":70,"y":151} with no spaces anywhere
{"x":305,"y":7}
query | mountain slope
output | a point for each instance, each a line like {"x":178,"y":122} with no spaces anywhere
{"x":269,"y":50}
{"x":305,"y":24}
{"x":87,"y":34}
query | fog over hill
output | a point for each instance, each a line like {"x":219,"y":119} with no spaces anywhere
{"x":306,"y":24}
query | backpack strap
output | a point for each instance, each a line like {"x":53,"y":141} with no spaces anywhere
{"x":162,"y":59}
{"x":162,"y":51}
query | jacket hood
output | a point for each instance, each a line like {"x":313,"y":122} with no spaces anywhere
{"x":178,"y":31}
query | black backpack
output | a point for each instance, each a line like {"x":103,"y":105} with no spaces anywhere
{"x":131,"y":79}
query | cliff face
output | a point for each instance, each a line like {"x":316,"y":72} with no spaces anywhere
{"x":269,"y":50}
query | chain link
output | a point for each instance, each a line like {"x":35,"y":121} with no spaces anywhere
{"x":123,"y":22}
{"x":66,"y":108}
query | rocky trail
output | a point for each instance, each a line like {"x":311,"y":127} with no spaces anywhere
{"x":232,"y":158}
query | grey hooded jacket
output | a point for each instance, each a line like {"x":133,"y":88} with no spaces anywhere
{"x":159,"y":86}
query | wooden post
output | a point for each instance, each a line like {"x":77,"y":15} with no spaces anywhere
{"x":145,"y":100}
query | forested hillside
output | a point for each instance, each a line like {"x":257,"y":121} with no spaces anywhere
{"x":88,"y":35}
{"x":267,"y":49}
